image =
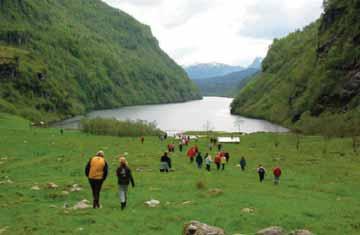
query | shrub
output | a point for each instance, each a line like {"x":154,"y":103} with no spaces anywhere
{"x":113,"y":127}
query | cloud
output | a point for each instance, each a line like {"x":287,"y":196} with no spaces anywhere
{"x":276,"y":18}
{"x":146,"y":3}
{"x":226,"y":31}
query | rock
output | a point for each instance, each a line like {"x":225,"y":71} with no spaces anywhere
{"x":8,"y":181}
{"x":197,"y":228}
{"x":248,"y":210}
{"x":301,"y":232}
{"x":140,"y":169}
{"x":3,"y":230}
{"x":83,"y":204}
{"x":215,"y":192}
{"x":35,"y":188}
{"x":271,"y":231}
{"x":152,"y":203}
{"x":65,"y":193}
{"x":52,"y":206}
{"x":52,"y":185}
{"x":75,"y":188}
{"x":187,"y":203}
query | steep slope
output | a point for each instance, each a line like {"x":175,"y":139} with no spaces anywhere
{"x":61,"y":58}
{"x":226,"y":85}
{"x":311,"y":76}
{"x":208,"y":70}
{"x":256,"y":64}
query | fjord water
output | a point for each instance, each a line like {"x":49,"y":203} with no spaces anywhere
{"x":209,"y":113}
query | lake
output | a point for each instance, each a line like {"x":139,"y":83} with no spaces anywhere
{"x":209,"y":113}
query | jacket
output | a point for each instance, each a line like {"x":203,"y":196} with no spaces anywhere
{"x":277,"y":172}
{"x":124,"y":176}
{"x":96,"y":168}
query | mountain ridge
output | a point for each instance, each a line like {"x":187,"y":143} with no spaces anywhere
{"x":69,"y":57}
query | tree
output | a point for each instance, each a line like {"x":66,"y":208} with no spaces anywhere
{"x":208,"y":127}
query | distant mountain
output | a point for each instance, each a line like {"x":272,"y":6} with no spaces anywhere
{"x":257,"y":63}
{"x":208,"y":70}
{"x":227,"y":85}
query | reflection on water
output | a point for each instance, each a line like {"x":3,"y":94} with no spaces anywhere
{"x":210,"y":113}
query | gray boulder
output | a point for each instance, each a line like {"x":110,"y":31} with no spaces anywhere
{"x":271,"y":231}
{"x":301,"y":232}
{"x":197,"y":228}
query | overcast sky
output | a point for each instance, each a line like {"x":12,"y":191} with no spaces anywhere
{"x":225,"y":31}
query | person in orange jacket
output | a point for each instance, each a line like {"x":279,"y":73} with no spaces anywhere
{"x":96,"y":171}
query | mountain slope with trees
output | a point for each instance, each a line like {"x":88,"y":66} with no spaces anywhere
{"x":311,"y":78}
{"x":62,"y":58}
{"x":226,"y":85}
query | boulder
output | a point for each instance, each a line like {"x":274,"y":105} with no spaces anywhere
{"x":75,"y":188}
{"x":35,"y":188}
{"x":271,"y":231}
{"x":152,"y":203}
{"x":215,"y":192}
{"x":83,"y":204}
{"x":197,"y":228}
{"x":248,"y":210}
{"x":301,"y":232}
{"x":52,"y":185}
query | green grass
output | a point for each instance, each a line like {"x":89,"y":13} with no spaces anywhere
{"x":318,"y":191}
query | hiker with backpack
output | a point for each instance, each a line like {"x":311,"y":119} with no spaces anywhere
{"x":277,"y":173}
{"x":165,"y":163}
{"x":261,"y":171}
{"x":199,"y":160}
{"x":242,"y":163}
{"x":125,"y":177}
{"x":217,"y":161}
{"x":96,"y":171}
{"x":208,"y":161}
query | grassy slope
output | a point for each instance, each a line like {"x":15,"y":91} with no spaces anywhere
{"x":90,"y":55}
{"x":318,"y":192}
{"x":310,"y":73}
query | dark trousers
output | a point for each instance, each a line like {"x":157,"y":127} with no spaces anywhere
{"x":208,"y":167}
{"x":242,"y":167}
{"x":217,"y":166}
{"x":223,"y":166}
{"x":261,"y":177}
{"x":96,"y":188}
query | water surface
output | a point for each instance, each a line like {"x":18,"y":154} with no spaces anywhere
{"x":209,"y":113}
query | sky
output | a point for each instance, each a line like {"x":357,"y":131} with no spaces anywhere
{"x":224,"y":31}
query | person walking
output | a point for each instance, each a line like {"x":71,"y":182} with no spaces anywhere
{"x":261,"y":171}
{"x":165,"y":163}
{"x":96,"y":171}
{"x":242,"y":163}
{"x":142,"y":139}
{"x":217,"y":161}
{"x":227,"y":156}
{"x":180,"y":146}
{"x":277,"y":173}
{"x":199,"y":160}
{"x":223,"y":162}
{"x":124,"y":176}
{"x":219,"y":146}
{"x":208,"y":161}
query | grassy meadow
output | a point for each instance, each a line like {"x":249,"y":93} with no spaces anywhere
{"x":319,"y":190}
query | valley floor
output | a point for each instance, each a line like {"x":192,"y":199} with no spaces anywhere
{"x":318,"y":191}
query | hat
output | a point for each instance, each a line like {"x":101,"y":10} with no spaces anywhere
{"x":100,"y":153}
{"x":122,"y":160}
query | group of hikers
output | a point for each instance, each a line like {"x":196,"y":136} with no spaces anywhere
{"x":96,"y":169}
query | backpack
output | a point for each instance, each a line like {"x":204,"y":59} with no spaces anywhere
{"x":261,"y":170}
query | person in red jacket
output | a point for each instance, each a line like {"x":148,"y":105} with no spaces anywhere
{"x":277,"y":174}
{"x":217,"y":160}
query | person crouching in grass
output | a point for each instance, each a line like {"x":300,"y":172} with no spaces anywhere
{"x":96,"y":170}
{"x":124,"y":175}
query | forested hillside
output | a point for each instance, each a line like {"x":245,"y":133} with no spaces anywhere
{"x":61,"y":58}
{"x":226,"y":85}
{"x":311,"y":78}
